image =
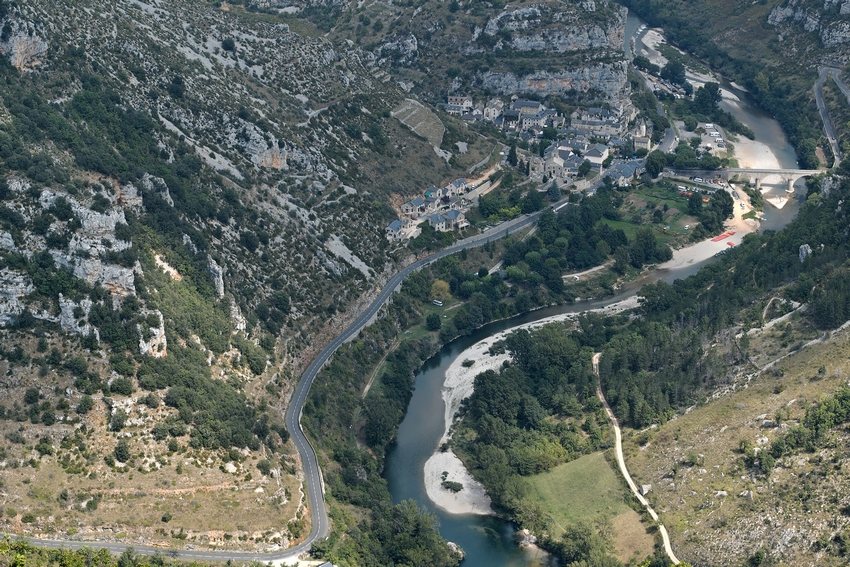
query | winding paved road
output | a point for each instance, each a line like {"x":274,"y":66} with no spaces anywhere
{"x":621,"y":462}
{"x":314,"y":484}
{"x":824,"y":73}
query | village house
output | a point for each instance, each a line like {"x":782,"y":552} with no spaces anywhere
{"x":526,"y":107}
{"x":642,"y":143}
{"x":457,"y":219}
{"x":622,"y":174}
{"x":596,"y":121}
{"x":394,"y":230}
{"x":558,"y":162}
{"x":438,"y":222}
{"x":399,"y":229}
{"x":597,"y":154}
{"x":457,"y":187}
{"x":541,"y":119}
{"x":463,"y":101}
{"x":452,"y":220}
{"x":493,"y":109}
{"x":459,"y":105}
{"x":414,"y":208}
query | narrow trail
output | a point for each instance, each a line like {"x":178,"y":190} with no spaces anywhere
{"x":621,"y":462}
{"x":378,"y":368}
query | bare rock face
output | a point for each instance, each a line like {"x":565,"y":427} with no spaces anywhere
{"x":610,"y":79}
{"x":562,"y":29}
{"x":158,"y":185}
{"x":239,"y":321}
{"x":152,"y":341}
{"x":404,"y":49}
{"x":89,"y":245}
{"x":23,"y":45}
{"x":829,"y":20}
{"x":217,"y":273}
{"x":7,"y":243}
{"x":128,"y":197}
{"x":545,"y":27}
{"x":14,"y":288}
{"x":835,"y":34}
{"x":69,"y":320}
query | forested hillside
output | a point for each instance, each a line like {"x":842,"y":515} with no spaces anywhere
{"x":540,"y":411}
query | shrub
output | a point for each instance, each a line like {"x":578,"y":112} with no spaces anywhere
{"x":85,"y":405}
{"x":264,"y":467}
{"x":32,"y":396}
{"x":118,"y":420}
{"x":122,"y":386}
{"x":433,"y":322}
{"x":122,"y":451}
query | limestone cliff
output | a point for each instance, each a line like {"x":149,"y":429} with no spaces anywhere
{"x":827,"y":20}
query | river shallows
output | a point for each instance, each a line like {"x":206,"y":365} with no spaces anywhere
{"x":489,"y":541}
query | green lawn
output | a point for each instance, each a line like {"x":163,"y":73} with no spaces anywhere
{"x":585,"y":489}
{"x":661,"y":194}
{"x":589,"y":490}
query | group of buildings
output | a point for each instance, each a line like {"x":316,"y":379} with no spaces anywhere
{"x":520,"y":115}
{"x":441,"y":208}
{"x":593,"y":134}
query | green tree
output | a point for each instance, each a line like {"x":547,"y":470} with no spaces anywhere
{"x":707,"y":98}
{"x":512,"y":156}
{"x":656,"y":161}
{"x":584,"y":168}
{"x":433,"y":322}
{"x":674,"y":71}
{"x":122,"y":451}
{"x":440,"y":290}
{"x":85,"y":405}
{"x":695,"y":204}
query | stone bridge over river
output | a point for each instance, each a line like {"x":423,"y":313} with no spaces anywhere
{"x":790,"y":176}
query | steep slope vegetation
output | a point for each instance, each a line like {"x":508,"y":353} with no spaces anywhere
{"x":189,"y":192}
{"x":544,"y":47}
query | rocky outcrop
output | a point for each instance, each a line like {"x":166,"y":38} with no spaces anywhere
{"x":91,"y":244}
{"x":608,"y":79}
{"x":236,"y":317}
{"x":73,"y":317}
{"x":553,"y":28}
{"x":829,"y":19}
{"x":14,"y":288}
{"x":157,"y":185}
{"x":152,"y":341}
{"x":22,"y":44}
{"x":7,"y":243}
{"x":217,"y":273}
{"x":402,"y":49}
{"x":835,"y":34}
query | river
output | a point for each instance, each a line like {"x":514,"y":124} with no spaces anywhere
{"x":489,"y":541}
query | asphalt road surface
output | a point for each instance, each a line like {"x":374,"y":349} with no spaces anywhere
{"x":828,"y":127}
{"x":314,"y":487}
